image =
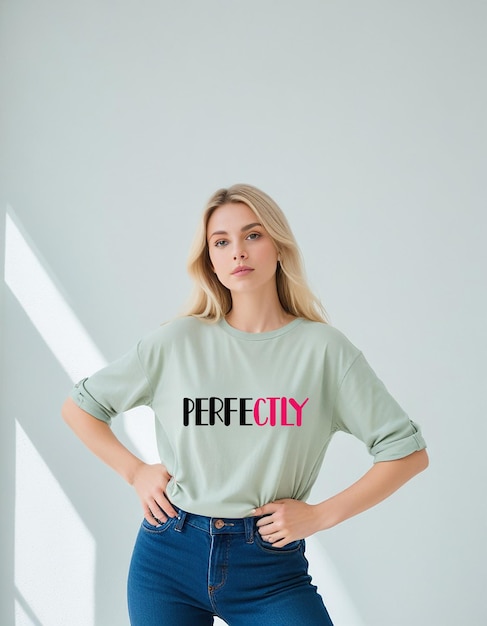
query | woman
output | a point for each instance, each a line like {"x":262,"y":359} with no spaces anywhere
{"x":247,"y":388}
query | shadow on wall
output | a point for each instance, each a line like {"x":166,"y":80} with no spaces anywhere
{"x":72,"y":521}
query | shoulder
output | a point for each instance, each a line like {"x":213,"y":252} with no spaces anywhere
{"x":326,"y":335}
{"x":174,"y":331}
{"x":178,"y":334}
{"x":328,"y":345}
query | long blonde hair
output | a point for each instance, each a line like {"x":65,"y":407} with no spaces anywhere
{"x":211,"y":300}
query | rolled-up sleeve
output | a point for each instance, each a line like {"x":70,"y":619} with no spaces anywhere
{"x":365,"y":408}
{"x":116,"y":388}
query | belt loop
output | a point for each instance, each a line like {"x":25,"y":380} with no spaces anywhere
{"x":180,"y":522}
{"x":249,"y":529}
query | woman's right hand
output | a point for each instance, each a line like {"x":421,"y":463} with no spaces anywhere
{"x":150,"y":483}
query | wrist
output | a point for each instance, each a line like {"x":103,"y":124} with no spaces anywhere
{"x":132,"y":469}
{"x":327,"y":515}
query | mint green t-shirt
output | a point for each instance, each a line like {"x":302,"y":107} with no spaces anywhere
{"x":243,"y":419}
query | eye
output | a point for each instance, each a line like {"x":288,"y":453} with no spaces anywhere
{"x":254,"y":236}
{"x":220,"y":243}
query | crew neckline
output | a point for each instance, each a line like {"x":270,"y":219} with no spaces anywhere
{"x":268,"y":334}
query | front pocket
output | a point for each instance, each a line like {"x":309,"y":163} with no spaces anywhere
{"x":158,"y":529}
{"x":265,"y":546}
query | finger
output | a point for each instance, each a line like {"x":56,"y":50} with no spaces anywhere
{"x":164,"y":504}
{"x":264,"y":522}
{"x":274,"y":538}
{"x":281,"y":542}
{"x":149,"y":517}
{"x":157,"y":513}
{"x":268,"y":520}
{"x":269,"y":529}
{"x":266,"y":509}
{"x":164,"y":507}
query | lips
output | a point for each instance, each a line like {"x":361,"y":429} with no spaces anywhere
{"x":242,"y":269}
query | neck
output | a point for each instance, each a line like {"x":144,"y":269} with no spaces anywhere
{"x":253,"y":313}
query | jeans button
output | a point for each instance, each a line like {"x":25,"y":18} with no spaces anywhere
{"x":219,"y":523}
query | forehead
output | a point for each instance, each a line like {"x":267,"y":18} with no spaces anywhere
{"x":232,"y":215}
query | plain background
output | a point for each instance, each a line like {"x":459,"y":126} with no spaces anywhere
{"x":366,"y":122}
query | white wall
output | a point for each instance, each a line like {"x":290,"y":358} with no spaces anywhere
{"x":366,"y":122}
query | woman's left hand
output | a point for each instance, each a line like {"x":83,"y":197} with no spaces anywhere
{"x":286,"y":520}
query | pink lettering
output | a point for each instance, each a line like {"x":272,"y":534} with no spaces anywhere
{"x":299,"y":410}
{"x":273,"y":414}
{"x":284,"y":421}
{"x":257,"y":412}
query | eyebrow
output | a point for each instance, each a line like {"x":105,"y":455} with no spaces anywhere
{"x":242,"y":230}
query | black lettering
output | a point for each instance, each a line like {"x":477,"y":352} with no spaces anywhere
{"x":205,"y":411}
{"x":228,"y":410}
{"x":243,"y":411}
{"x":188,"y":407}
{"x":214,"y":411}
{"x":199,"y":411}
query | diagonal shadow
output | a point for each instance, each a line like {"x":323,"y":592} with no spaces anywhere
{"x":33,"y":396}
{"x":26,"y":609}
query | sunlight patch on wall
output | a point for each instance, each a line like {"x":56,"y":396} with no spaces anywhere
{"x":138,"y":426}
{"x":63,"y":333}
{"x":55,"y":554}
{"x":46,"y":308}
{"x":54,"y":551}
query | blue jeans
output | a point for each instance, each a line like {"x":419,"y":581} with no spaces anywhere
{"x":192,"y":567}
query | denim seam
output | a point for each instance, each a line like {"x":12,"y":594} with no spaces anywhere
{"x":212,"y":589}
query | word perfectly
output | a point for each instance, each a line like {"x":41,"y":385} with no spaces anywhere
{"x":270,"y":411}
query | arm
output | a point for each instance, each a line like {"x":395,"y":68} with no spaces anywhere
{"x":149,"y":481}
{"x":288,"y":520}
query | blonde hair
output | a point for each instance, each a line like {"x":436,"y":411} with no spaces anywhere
{"x":211,"y":300}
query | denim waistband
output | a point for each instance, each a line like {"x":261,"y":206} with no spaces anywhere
{"x":217,"y":525}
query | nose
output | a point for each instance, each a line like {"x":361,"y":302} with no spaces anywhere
{"x":240,"y":254}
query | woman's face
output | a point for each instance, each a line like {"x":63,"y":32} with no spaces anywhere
{"x":242,"y":253}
